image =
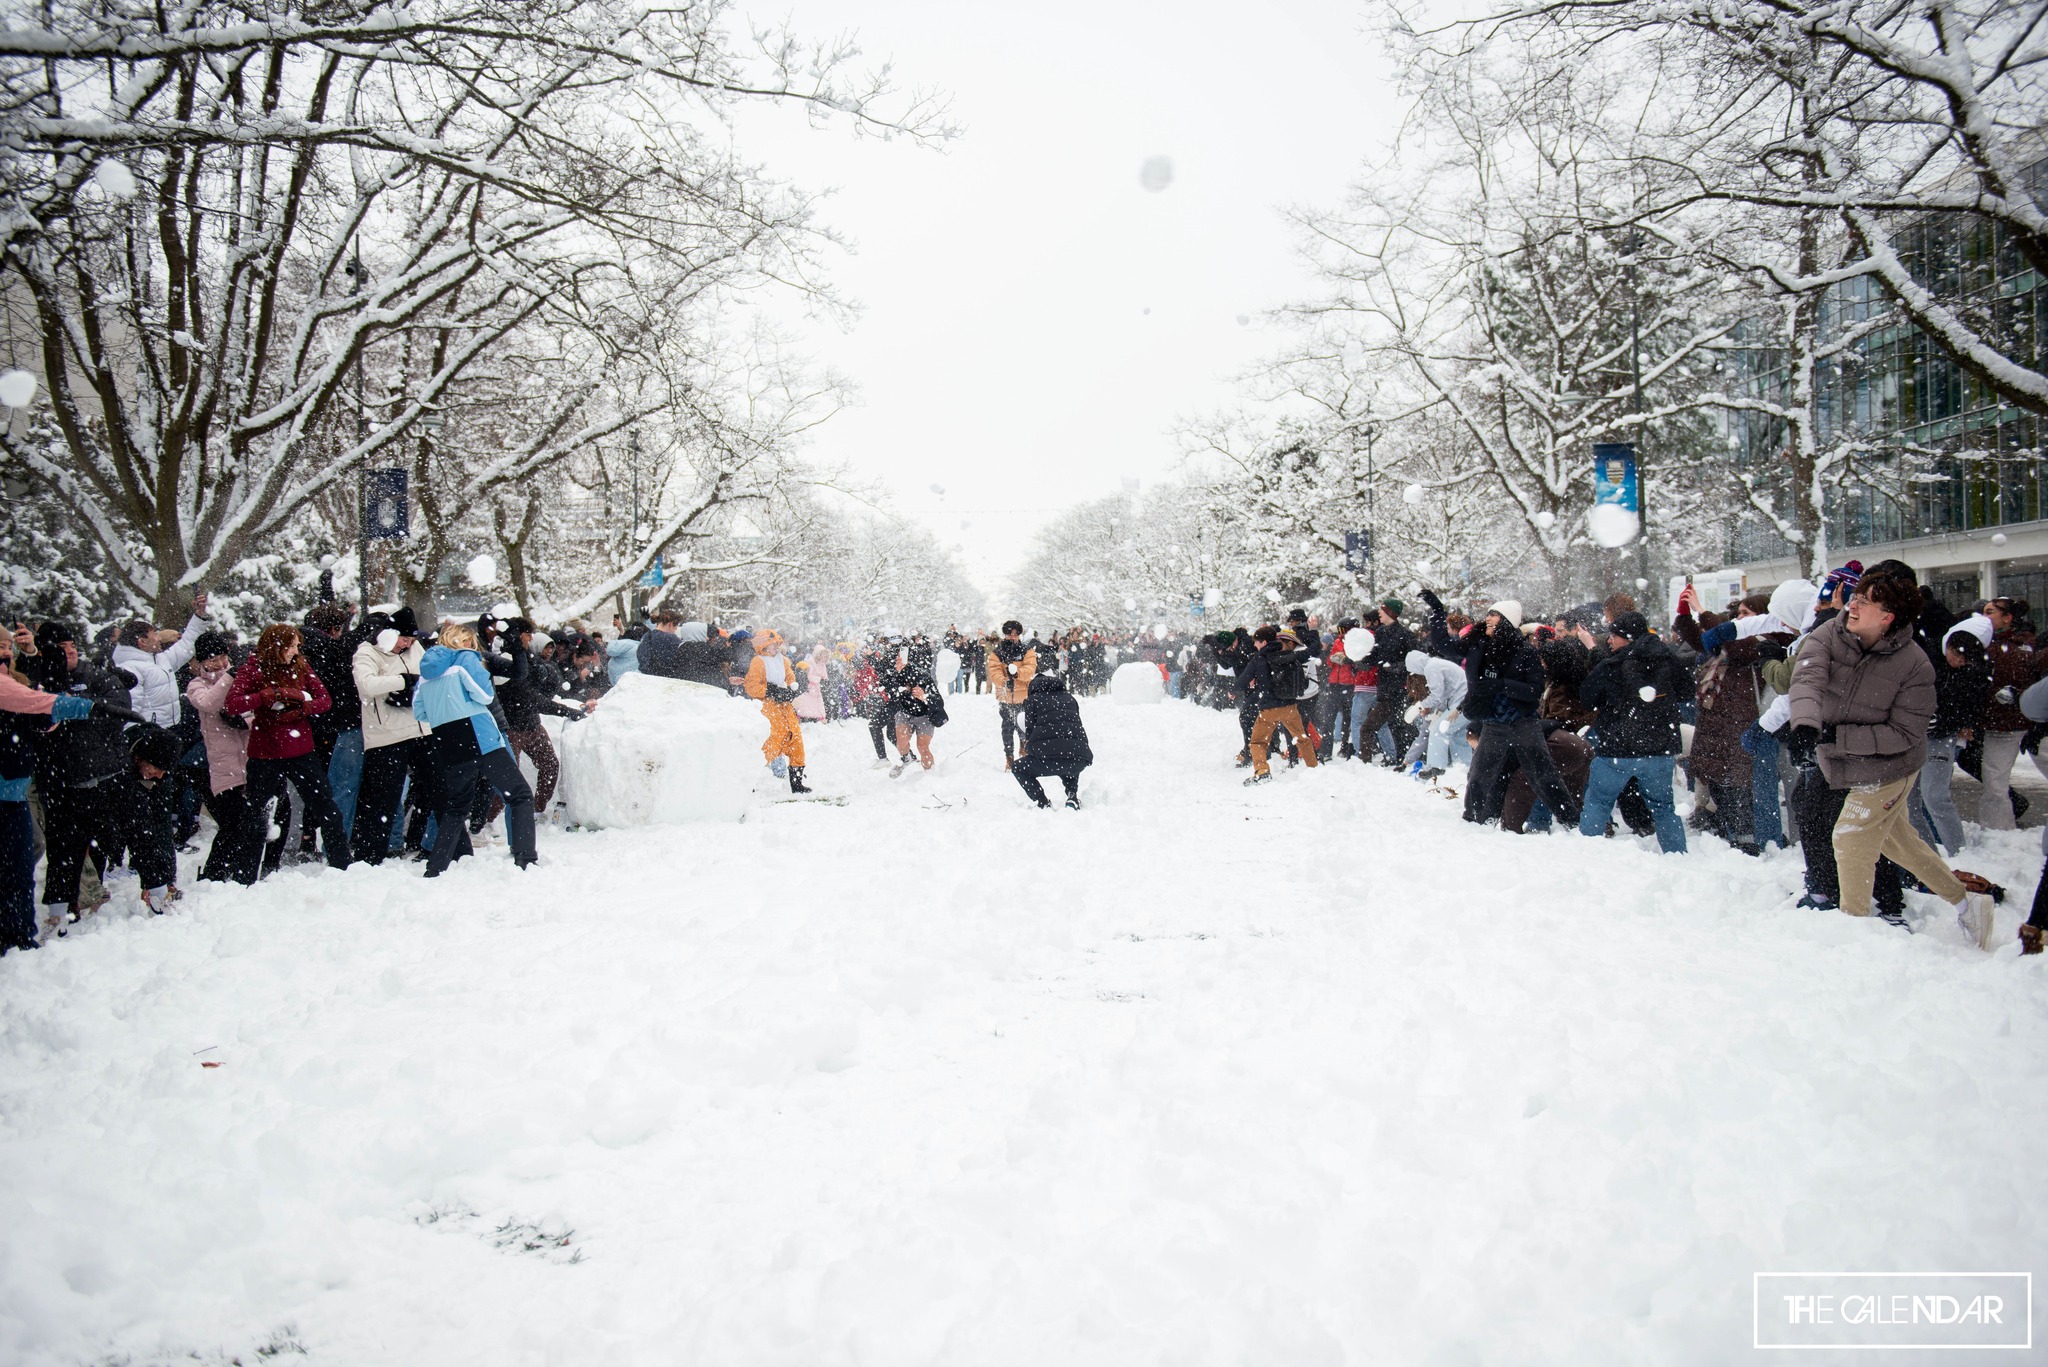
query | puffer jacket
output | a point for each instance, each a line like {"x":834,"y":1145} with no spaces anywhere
{"x":1011,"y":687}
{"x":227,"y":746}
{"x":1877,"y":700}
{"x":1053,"y":733}
{"x":2014,"y":666}
{"x":385,"y":683}
{"x":1445,"y":679}
{"x":453,"y":700}
{"x":283,"y":705}
{"x":155,"y":694}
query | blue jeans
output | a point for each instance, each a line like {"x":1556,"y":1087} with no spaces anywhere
{"x":345,"y":775}
{"x":1766,"y":819}
{"x":1933,"y":803}
{"x":1361,"y":703}
{"x":1652,"y":774}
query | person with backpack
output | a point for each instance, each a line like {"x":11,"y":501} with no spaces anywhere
{"x":1635,"y":693}
{"x":1274,"y":677}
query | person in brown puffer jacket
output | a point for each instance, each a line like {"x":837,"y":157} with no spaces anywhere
{"x":1010,"y":666}
{"x":1862,"y":696}
{"x":2014,"y":666}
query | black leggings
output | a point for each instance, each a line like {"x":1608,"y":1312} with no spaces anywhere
{"x":305,"y":773}
{"x":238,"y":840}
{"x":385,"y":771}
{"x":1027,"y":773}
{"x":878,"y":727}
{"x":458,"y":787}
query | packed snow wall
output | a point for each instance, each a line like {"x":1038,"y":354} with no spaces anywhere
{"x":660,"y":751}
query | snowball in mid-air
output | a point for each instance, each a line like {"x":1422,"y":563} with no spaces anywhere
{"x":1998,"y":538}
{"x":483,"y":572}
{"x":1412,"y":494}
{"x":1272,"y":595}
{"x":1244,"y":320}
{"x":946,"y":666}
{"x":115,"y":179}
{"x":1425,"y":567}
{"x":1648,"y":693}
{"x":1642,"y":584}
{"x":1159,"y":630}
{"x":1211,"y":597}
{"x":1546,"y":520}
{"x":1357,"y":643}
{"x":1130,"y":605}
{"x":1156,"y":174}
{"x":17,"y":388}
{"x":1611,"y":525}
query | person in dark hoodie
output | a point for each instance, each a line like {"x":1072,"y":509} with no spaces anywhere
{"x":76,"y":763}
{"x":1503,"y":687}
{"x":1635,"y":693}
{"x":1054,"y":741}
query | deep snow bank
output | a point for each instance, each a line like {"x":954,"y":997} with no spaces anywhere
{"x":661,"y":751}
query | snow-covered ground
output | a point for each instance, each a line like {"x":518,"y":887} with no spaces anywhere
{"x":1310,"y":1074}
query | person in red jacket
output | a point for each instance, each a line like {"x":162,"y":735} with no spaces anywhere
{"x":282,"y":694}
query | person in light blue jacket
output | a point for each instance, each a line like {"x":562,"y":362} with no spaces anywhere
{"x":453,"y":700}
{"x":622,"y":657}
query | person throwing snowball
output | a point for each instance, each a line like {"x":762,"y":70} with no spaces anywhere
{"x":771,"y":679}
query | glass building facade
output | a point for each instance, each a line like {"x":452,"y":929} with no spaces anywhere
{"x":1960,"y":460}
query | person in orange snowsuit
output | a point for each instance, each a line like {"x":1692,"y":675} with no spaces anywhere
{"x":771,"y":679}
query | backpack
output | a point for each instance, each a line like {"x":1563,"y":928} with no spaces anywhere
{"x":1290,"y":678}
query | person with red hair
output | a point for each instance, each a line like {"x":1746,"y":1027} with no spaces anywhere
{"x":282,"y":694}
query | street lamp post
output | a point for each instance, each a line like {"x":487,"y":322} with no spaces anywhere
{"x":358,"y":278}
{"x":1372,"y":550}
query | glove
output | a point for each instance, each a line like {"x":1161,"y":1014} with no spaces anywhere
{"x":401,"y":696}
{"x":1771,"y":650}
{"x":69,"y":707}
{"x":233,"y":720}
{"x":1800,"y":743}
{"x":2005,"y":695}
{"x":1436,"y":604}
{"x":108,"y":709}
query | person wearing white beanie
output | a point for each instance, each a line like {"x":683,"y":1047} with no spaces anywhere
{"x":1510,"y":611}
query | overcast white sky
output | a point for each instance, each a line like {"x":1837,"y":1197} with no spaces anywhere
{"x":1004,"y":351}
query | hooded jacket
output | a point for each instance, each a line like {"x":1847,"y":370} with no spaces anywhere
{"x":155,"y":694}
{"x":1503,"y":677}
{"x":1878,"y":699}
{"x":2013,"y":665}
{"x":1053,"y":735}
{"x":1446,"y":682}
{"x":453,"y":700}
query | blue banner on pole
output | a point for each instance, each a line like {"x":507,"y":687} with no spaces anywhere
{"x":1614,"y":475}
{"x":655,"y":576}
{"x":385,"y":516}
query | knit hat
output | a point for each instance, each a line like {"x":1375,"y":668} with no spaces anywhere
{"x":1847,"y":577}
{"x":1393,"y":606}
{"x":1630,"y":626}
{"x":1297,"y":615}
{"x":1976,"y":624}
{"x":405,"y":624}
{"x":1510,"y":611}
{"x":155,"y":746}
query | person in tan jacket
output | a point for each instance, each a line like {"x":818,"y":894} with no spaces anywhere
{"x":1011,"y":666}
{"x":1862,"y":695}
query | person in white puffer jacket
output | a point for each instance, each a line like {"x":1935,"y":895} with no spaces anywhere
{"x":141,"y":651}
{"x":387,"y":668}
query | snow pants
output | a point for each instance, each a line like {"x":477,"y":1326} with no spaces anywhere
{"x":1874,"y":821}
{"x":785,"y":734}
{"x":386,"y":771}
{"x":1271,"y":719}
{"x":238,"y":838}
{"x":78,"y":823}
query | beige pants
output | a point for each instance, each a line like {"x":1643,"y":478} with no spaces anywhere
{"x":1874,"y":822}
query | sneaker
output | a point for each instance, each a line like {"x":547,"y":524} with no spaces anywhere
{"x":1977,"y":917}
{"x":1256,"y":779}
{"x":880,"y":763}
{"x":1814,"y":901}
{"x":1073,"y":804}
{"x":899,"y":766}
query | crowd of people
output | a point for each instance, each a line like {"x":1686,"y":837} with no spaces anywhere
{"x":1848,"y":705}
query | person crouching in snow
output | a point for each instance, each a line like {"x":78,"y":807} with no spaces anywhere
{"x":1053,"y":741}
{"x":771,"y":679}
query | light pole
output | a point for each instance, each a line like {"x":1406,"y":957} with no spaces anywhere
{"x":1372,"y":550}
{"x":1635,"y":406}
{"x":357,"y":278}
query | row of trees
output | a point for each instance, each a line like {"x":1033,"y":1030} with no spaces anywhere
{"x":252,"y":250}
{"x":1689,"y":227}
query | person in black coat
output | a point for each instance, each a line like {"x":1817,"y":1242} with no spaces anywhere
{"x":1635,"y":692}
{"x":1054,"y":742}
{"x":1391,"y":643}
{"x":1504,"y":686}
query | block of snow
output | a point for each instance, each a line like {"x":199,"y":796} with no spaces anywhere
{"x":661,"y":751}
{"x":1137,"y":682}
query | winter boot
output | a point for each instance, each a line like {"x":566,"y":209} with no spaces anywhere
{"x":1345,"y":751}
{"x":1256,"y":779}
{"x":2030,"y":939}
{"x":1977,"y":917}
{"x":1816,"y":901}
{"x":796,"y":779}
